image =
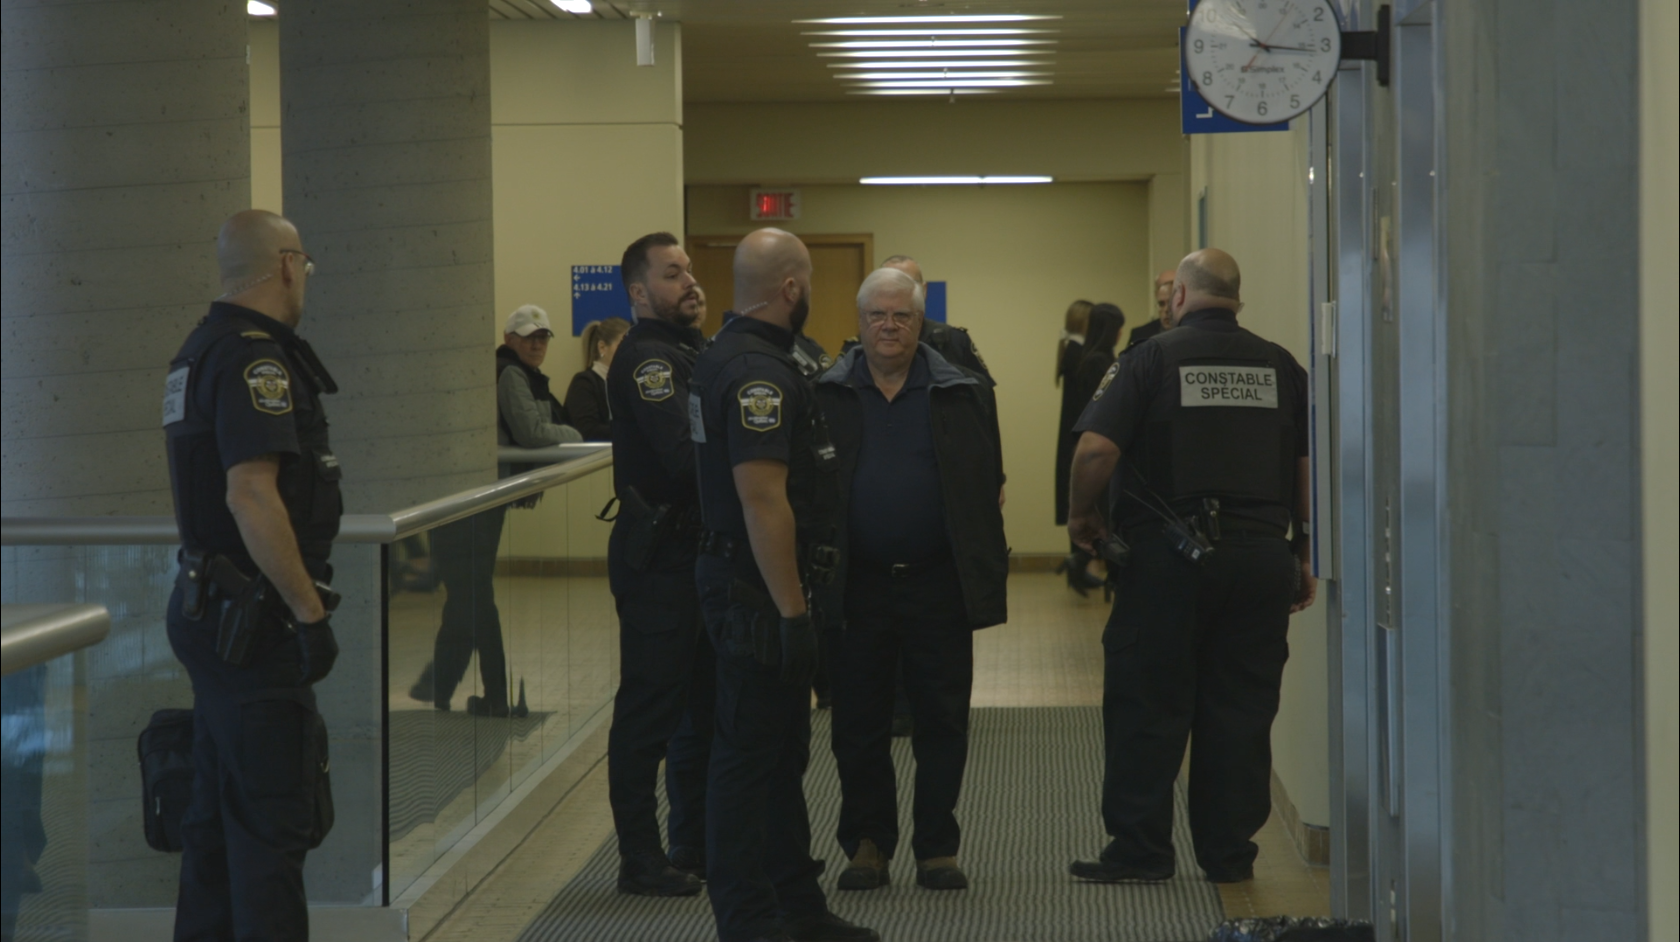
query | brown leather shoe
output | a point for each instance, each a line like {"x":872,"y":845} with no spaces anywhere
{"x":868,"y":869}
{"x":940,"y":873}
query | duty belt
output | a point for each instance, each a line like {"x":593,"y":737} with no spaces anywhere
{"x":816,"y":561}
{"x":898,"y":570}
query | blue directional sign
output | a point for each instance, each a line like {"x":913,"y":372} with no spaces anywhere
{"x":1197,"y":116}
{"x":935,"y":301}
{"x":597,"y":293}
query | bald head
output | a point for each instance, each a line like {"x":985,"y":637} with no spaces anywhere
{"x":773,"y":276}
{"x":1206,"y":279}
{"x":907,"y":265}
{"x":249,"y":245}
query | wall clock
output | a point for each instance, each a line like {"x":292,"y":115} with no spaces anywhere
{"x":1263,"y":61}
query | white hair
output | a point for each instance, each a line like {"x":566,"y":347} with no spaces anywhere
{"x":883,"y":280}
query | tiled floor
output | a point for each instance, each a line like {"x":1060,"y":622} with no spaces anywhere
{"x":1048,"y":655}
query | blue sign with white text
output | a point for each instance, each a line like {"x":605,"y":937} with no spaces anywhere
{"x":934,"y":306}
{"x":1197,"y":116}
{"x":597,"y":293}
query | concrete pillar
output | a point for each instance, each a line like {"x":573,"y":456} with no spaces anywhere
{"x":386,"y":161}
{"x":126,"y":143}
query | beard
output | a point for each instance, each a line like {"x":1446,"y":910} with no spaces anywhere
{"x":675,"y":314}
{"x":801,"y":312}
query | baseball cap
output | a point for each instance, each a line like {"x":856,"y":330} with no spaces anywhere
{"x":527,"y":320}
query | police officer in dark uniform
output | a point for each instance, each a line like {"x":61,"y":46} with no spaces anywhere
{"x":257,"y":501}
{"x":663,"y":709}
{"x":1204,"y":430}
{"x":768,"y":496}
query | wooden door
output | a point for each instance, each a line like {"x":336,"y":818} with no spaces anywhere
{"x":838,"y":266}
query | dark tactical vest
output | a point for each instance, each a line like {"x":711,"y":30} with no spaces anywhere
{"x":1221,"y":424}
{"x":813,"y":466}
{"x":308,"y":481}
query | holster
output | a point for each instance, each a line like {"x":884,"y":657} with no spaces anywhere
{"x":766,"y":622}
{"x":646,"y":528}
{"x":247,"y":608}
{"x":191,"y":579}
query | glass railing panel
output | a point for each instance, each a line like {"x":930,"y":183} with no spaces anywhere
{"x":537,"y":542}
{"x":591,"y":614}
{"x":43,"y":816}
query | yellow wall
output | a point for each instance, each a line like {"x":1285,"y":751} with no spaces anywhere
{"x":1660,"y":453}
{"x":587,"y":151}
{"x":1257,"y":211}
{"x":1013,"y":257}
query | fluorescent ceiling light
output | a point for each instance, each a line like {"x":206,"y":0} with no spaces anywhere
{"x":258,"y":8}
{"x":930,"y":75}
{"x":913,"y":33}
{"x":958,"y":83}
{"x":946,"y":64}
{"x":929,"y":43}
{"x":942,"y":92}
{"x":578,"y":7}
{"x":966,"y":18}
{"x":947,"y":53}
{"x":949,"y":181}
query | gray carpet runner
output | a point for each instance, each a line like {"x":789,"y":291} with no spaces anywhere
{"x":1029,"y":806}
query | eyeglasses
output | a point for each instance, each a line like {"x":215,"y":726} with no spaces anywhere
{"x":544,"y":335}
{"x":308,"y":263}
{"x":899,"y":318}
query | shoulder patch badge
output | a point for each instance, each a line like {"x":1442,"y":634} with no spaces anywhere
{"x":271,"y":387}
{"x":653,"y":380}
{"x":761,"y":406}
{"x":1108,"y":377}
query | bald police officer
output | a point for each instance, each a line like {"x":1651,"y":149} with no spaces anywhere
{"x":1203,"y":429}
{"x":256,"y":499}
{"x":768,"y":495}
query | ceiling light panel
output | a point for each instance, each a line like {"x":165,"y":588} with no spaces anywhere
{"x":883,"y":76}
{"x":925,"y":92}
{"x":914,"y":33}
{"x":258,"y":8}
{"x":946,"y":64}
{"x":930,"y":43}
{"x":921,"y":53}
{"x":958,"y":83}
{"x":964,"y":18}
{"x":951,"y":181}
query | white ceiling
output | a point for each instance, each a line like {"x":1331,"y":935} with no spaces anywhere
{"x":752,"y":50}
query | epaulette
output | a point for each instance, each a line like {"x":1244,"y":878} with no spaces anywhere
{"x":255,"y":335}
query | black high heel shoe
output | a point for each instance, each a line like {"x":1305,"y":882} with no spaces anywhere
{"x":1079,"y":578}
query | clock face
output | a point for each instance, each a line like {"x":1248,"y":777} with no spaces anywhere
{"x":1262,"y":61}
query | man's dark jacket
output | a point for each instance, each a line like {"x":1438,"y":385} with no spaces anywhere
{"x":966,"y":444}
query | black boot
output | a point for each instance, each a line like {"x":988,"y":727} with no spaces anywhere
{"x":829,"y":928}
{"x":653,"y":875}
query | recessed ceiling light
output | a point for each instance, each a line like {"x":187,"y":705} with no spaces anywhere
{"x":949,"y":181}
{"x":930,"y":75}
{"x":913,"y":33}
{"x":964,"y":18}
{"x":258,"y":8}
{"x":957,"y":83}
{"x":930,"y":43}
{"x":945,"y":64}
{"x":575,"y":7}
{"x":921,"y":53}
{"x":924,"y":92}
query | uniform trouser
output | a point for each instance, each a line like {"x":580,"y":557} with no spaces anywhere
{"x":914,"y":628}
{"x":1193,"y":651}
{"x":464,"y":554}
{"x":663,"y":709}
{"x":759,"y":871}
{"x":246,"y":830}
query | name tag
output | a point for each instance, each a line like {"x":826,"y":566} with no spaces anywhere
{"x":1251,"y":386}
{"x":175,"y":395}
{"x":696,"y":424}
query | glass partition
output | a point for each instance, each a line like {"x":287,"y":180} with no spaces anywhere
{"x":43,"y":817}
{"x":503,"y":645}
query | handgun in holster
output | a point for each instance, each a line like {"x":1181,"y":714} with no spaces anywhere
{"x":646,"y":527}
{"x":766,"y":623}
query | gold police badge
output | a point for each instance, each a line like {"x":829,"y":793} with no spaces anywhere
{"x":271,"y":387}
{"x":761,"y":406}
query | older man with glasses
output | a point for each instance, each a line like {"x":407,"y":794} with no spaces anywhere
{"x":923,"y":563}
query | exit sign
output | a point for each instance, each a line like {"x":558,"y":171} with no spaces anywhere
{"x":773,"y":204}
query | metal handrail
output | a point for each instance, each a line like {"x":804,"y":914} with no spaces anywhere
{"x":35,"y":634}
{"x":550,"y":454}
{"x":353,"y":528}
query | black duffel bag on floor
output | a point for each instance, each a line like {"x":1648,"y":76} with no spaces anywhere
{"x":166,"y":778}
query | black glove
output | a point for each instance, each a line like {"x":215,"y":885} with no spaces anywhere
{"x":319,"y":649}
{"x":799,"y":650}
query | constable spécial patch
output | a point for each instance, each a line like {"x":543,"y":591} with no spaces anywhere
{"x":696,"y":418}
{"x":271,"y":387}
{"x":761,"y":406}
{"x":1102,"y":387}
{"x":1251,"y":386}
{"x":653,"y":381}
{"x":175,"y":395}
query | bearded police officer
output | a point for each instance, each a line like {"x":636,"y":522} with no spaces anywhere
{"x":768,"y":495}
{"x":663,"y":709}
{"x":257,"y":503}
{"x":1204,"y":431}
